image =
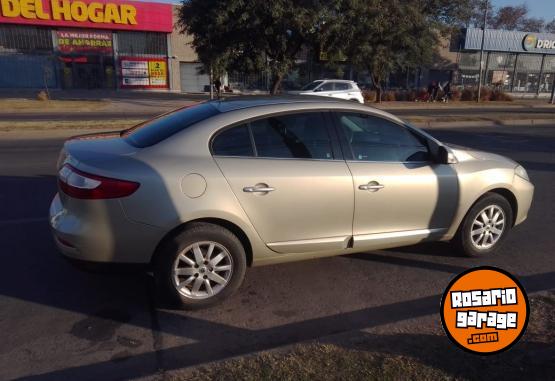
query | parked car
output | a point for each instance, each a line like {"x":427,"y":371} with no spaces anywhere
{"x":206,"y":191}
{"x":335,"y":88}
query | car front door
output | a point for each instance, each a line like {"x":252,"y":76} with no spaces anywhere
{"x":288,"y":174}
{"x":401,"y":195}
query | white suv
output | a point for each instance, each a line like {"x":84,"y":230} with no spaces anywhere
{"x":336,"y":88}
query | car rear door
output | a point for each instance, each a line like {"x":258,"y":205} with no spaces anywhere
{"x":401,"y":195}
{"x":326,"y":89}
{"x":341,"y":90}
{"x":288,"y":174}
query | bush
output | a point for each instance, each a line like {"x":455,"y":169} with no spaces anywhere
{"x":389,"y":96}
{"x":468,"y":94}
{"x":412,"y":96}
{"x":369,"y":95}
{"x":404,"y":96}
{"x":456,"y":95}
{"x":42,"y":95}
{"x":500,"y":95}
{"x":485,"y":94}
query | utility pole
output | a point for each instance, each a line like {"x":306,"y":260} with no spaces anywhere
{"x":211,"y":82}
{"x":482,"y":51}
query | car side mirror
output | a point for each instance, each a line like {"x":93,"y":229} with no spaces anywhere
{"x":445,"y":156}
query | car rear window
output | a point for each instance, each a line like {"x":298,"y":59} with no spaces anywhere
{"x":342,"y":86}
{"x":155,"y":130}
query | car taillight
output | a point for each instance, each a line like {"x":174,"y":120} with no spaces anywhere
{"x":79,"y":184}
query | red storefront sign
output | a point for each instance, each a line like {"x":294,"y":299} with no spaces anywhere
{"x":76,"y":41}
{"x":97,"y":14}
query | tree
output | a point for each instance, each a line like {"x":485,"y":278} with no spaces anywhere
{"x":252,"y":35}
{"x":550,"y":26}
{"x":532,"y":24}
{"x":509,"y":17}
{"x":384,"y":36}
{"x":475,"y":16}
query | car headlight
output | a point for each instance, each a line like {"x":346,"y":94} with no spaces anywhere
{"x":521,"y":172}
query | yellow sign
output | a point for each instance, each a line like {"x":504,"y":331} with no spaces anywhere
{"x":66,"y":10}
{"x":157,"y":73}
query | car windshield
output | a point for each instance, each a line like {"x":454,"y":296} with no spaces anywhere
{"x":155,"y":130}
{"x":311,"y":85}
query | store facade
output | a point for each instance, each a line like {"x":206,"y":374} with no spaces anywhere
{"x":84,"y":44}
{"x":517,"y":62}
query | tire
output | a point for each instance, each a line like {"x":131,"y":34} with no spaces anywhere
{"x":467,"y":240}
{"x":188,"y":289}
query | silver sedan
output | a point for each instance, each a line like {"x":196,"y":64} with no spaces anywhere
{"x":205,"y":191}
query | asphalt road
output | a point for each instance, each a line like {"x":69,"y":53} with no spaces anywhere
{"x":166,"y":106}
{"x":57,"y":322}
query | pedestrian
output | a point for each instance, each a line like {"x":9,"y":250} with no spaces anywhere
{"x":435,"y":89}
{"x":218,"y":86}
{"x":430,"y":91}
{"x":447,"y":92}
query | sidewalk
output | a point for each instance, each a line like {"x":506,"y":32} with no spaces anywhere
{"x":135,"y":107}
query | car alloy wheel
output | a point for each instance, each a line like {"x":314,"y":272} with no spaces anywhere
{"x":488,"y":227}
{"x":202,"y":270}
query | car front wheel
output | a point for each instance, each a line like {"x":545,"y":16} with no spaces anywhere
{"x":485,"y":226}
{"x":200,"y":266}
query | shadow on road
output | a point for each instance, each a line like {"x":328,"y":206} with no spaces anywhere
{"x":116,"y":299}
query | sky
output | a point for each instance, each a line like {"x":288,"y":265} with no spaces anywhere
{"x":544,"y":9}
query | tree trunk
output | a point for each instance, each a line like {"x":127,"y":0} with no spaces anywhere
{"x":276,"y":83}
{"x":378,"y":94}
{"x":376,"y":81}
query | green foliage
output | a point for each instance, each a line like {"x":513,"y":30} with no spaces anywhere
{"x":252,"y":35}
{"x":384,"y":36}
{"x":375,"y":35}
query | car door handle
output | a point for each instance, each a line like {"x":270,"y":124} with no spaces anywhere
{"x":258,"y":189}
{"x":371,"y":186}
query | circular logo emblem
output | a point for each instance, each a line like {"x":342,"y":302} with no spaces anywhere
{"x":484,"y":310}
{"x":530,"y":42}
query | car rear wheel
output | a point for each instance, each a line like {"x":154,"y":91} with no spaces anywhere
{"x":200,"y":266}
{"x":485,"y":226}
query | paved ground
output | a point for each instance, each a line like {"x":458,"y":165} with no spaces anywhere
{"x":132,"y":106}
{"x":61,"y":323}
{"x":149,"y":109}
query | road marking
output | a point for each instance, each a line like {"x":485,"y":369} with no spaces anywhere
{"x":23,"y":221}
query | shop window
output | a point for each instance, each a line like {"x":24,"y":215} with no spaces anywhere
{"x":23,"y":39}
{"x":142,"y":43}
{"x":546,"y":82}
{"x":470,"y":61}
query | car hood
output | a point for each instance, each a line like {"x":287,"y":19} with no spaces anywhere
{"x":466,"y":154}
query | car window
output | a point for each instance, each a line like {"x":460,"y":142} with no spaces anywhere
{"x":155,"y":130}
{"x":311,"y":85}
{"x":235,"y":141}
{"x":301,"y":136}
{"x":342,"y":86}
{"x":372,"y":138}
{"x":328,"y":86}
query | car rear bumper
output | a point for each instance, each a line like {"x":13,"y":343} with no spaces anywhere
{"x":99,"y":231}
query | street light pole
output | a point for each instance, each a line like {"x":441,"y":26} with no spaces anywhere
{"x":482,"y":51}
